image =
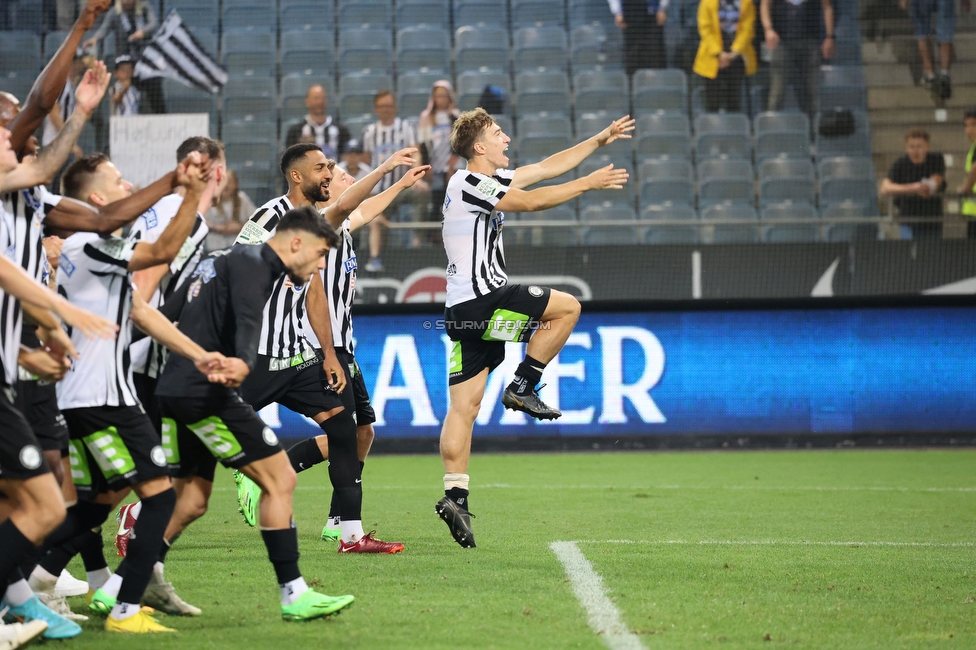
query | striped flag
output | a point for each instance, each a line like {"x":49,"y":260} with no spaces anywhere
{"x":176,"y":54}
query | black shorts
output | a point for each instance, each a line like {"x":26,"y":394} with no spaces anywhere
{"x":301,"y":387}
{"x":112,"y":448}
{"x":38,"y":401}
{"x":146,"y":392}
{"x":355,"y":397}
{"x":197,"y":432}
{"x":20,"y":452}
{"x":481,"y":327}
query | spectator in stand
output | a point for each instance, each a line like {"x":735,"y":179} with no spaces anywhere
{"x":434,"y":135}
{"x":792,"y":32}
{"x":228,"y":214}
{"x":968,"y":187}
{"x":642,"y":22}
{"x":915,"y":181}
{"x":382,"y":139}
{"x":133,"y":22}
{"x":125,"y":96}
{"x":318,"y":127}
{"x":354,"y":162}
{"x":726,"y":53}
{"x":66,"y":102}
{"x":921,"y":12}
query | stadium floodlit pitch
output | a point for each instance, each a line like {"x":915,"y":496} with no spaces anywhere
{"x":839,"y":549}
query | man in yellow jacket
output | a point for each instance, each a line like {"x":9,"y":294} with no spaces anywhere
{"x":726,"y":53}
{"x":968,"y":187}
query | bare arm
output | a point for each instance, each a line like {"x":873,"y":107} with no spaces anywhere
{"x":165,"y":249}
{"x":890,"y":188}
{"x":766,"y":17}
{"x":374,"y":206}
{"x":516,"y":200}
{"x":147,"y":280}
{"x":336,"y":213}
{"x":156,"y":325}
{"x":827,"y":49}
{"x":320,"y":318}
{"x":562,"y":162}
{"x":75,"y":216}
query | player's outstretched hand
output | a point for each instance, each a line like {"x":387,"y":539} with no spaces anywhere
{"x":621,"y":129}
{"x":412,"y":176}
{"x":89,"y":324}
{"x":608,"y":178}
{"x":210,"y":362}
{"x":399,"y":159}
{"x":57,"y":343}
{"x":43,"y":365}
{"x":92,"y":88}
{"x":194,"y":172}
{"x":333,"y":371}
{"x":232,"y":373}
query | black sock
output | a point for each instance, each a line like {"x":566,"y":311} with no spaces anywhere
{"x":81,"y":517}
{"x":458,"y":496}
{"x":167,"y":544}
{"x":527,"y":376}
{"x":344,"y":467}
{"x":305,"y":455}
{"x":147,"y":537}
{"x":57,"y":559}
{"x":334,"y":506}
{"x":91,"y":550}
{"x":13,"y":548}
{"x":282,"y":545}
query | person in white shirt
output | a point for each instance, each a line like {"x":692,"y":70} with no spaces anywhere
{"x":354,"y":162}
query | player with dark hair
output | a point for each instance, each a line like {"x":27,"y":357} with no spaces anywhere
{"x":204,"y":422}
{"x":478,"y":291}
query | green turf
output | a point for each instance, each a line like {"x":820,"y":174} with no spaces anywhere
{"x":673,"y":591}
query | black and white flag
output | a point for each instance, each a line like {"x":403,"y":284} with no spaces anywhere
{"x":175,"y":53}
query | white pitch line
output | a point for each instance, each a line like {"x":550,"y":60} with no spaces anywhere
{"x":771,"y":542}
{"x":602,"y":615}
{"x":775,"y":488}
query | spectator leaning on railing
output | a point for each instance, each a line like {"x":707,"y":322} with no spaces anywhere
{"x":968,"y":187}
{"x":915,"y":180}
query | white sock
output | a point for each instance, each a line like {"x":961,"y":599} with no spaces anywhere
{"x":41,"y":573}
{"x":41,"y":580}
{"x":292,"y":591}
{"x":122,"y":611}
{"x":456,"y":481}
{"x":112,"y":585}
{"x":98,"y":578}
{"x":158,"y":568}
{"x":19,"y":593}
{"x":333,"y":522}
{"x":351,"y":530}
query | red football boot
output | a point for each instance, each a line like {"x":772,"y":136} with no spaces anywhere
{"x":368,"y":544}
{"x":128,"y":514}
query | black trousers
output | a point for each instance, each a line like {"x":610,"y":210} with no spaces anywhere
{"x":724,"y":92}
{"x":644,"y":45}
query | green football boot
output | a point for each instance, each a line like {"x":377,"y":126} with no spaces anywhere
{"x":312,"y":604}
{"x":248,"y":496}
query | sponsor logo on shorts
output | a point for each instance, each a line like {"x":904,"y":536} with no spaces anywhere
{"x":158,"y":456}
{"x":535,"y":292}
{"x":30,"y":457}
{"x":269,"y":437}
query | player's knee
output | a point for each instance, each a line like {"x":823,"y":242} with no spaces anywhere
{"x":365,"y":434}
{"x":49,"y":516}
{"x":467,"y":409}
{"x":193,"y":509}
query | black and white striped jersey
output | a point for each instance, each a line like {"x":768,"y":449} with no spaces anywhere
{"x":472,"y":229}
{"x":282,"y":332}
{"x":384,"y":141}
{"x":339,"y":280}
{"x":21,"y":233}
{"x":147,"y":355}
{"x":93,"y":274}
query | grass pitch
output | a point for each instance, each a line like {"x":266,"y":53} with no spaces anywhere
{"x":845,"y":549}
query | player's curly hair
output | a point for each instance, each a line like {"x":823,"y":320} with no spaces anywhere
{"x":468,"y":128}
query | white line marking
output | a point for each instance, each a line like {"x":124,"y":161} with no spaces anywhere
{"x":602,"y":615}
{"x":760,"y":488}
{"x":773,"y":542}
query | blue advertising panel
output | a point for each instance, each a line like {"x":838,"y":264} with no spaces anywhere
{"x":897,"y":370}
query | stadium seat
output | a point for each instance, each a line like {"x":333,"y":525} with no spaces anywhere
{"x":259,"y":129}
{"x":726,"y":179}
{"x":601,"y":90}
{"x":722,"y":134}
{"x":843,"y":85}
{"x":856,"y":144}
{"x":249,"y":98}
{"x":356,"y":92}
{"x":20,"y":52}
{"x":358,"y":123}
{"x":540,"y":47}
{"x":413,"y":90}
{"x":480,"y":12}
{"x":670,"y":233}
{"x":731,"y":233}
{"x":481,"y":47}
{"x":848,"y":231}
{"x":256,"y":178}
{"x":319,"y":15}
{"x":594,"y":234}
{"x":354,"y":13}
{"x":666,"y":180}
{"x":545,"y":124}
{"x":538,"y":146}
{"x":847,"y":179}
{"x":18,"y":84}
{"x":590,"y":48}
{"x":28,"y":16}
{"x":779,"y":133}
{"x":206,"y":39}
{"x":433,"y":13}
{"x":365,"y":48}
{"x":625,"y":197}
{"x":200,"y":15}
{"x":664,"y":134}
{"x":538,"y":12}
{"x":786,"y":179}
{"x":471,"y":84}
{"x":247,"y":15}
{"x":239,"y":152}
{"x":307,"y":49}
{"x":589,"y":124}
{"x":805,"y":230}
{"x":655,"y":90}
{"x":585,"y":12}
{"x":424,"y":46}
{"x":295,"y":86}
{"x":542,"y":92}
{"x":249,"y":50}
{"x":567,"y":235}
{"x":52,"y":41}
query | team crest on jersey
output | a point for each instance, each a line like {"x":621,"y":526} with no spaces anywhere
{"x":65,"y":265}
{"x":351,"y":264}
{"x":497,"y":221}
{"x":30,"y":457}
{"x":489,"y":187}
{"x":447,"y":204}
{"x":205,"y":271}
{"x":152,"y":220}
{"x":31,"y":201}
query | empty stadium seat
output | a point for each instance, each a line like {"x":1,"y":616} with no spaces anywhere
{"x":538,"y":12}
{"x":471,"y":84}
{"x":476,"y":12}
{"x":726,"y":179}
{"x":307,"y":48}
{"x":655,"y":90}
{"x":747,"y":232}
{"x":413,"y":90}
{"x":201,"y":15}
{"x":599,"y":235}
{"x":353,"y":13}
{"x":320,"y":15}
{"x":20,"y":52}
{"x":779,"y":133}
{"x":542,"y":92}
{"x":52,"y":41}
{"x":356,"y":92}
{"x":847,"y":179}
{"x":624,"y":197}
{"x":848,"y":231}
{"x":358,"y":123}
{"x":540,"y":47}
{"x":424,"y":46}
{"x":567,"y":235}
{"x":481,"y":47}
{"x":782,"y":179}
{"x":666,"y":180}
{"x":856,"y":144}
{"x":365,"y":48}
{"x":588,"y":47}
{"x":670,"y":233}
{"x":243,"y":15}
{"x":434,"y":13}
{"x":664,"y":134}
{"x":18,"y":84}
{"x":843,"y":85}
{"x":806,"y":228}
{"x":248,"y":50}
{"x":722,"y":134}
{"x":601,"y":90}
{"x":249,"y":98}
{"x":589,"y":124}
